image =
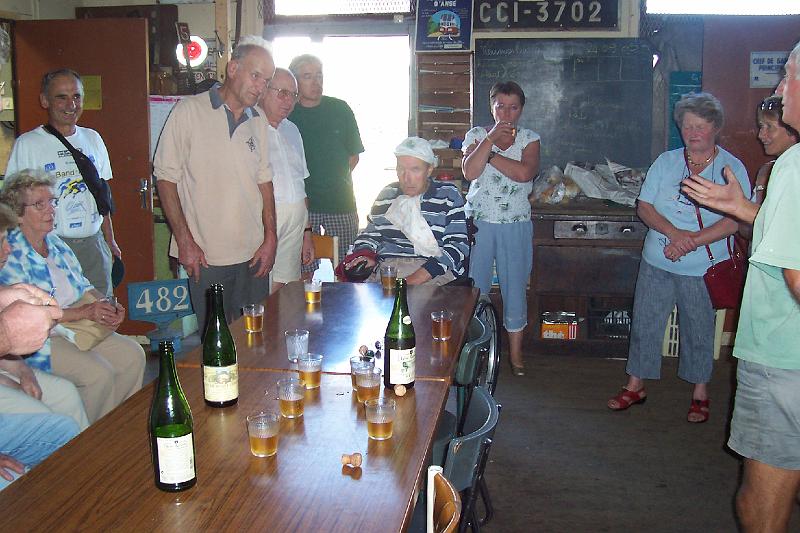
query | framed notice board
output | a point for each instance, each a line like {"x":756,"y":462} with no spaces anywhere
{"x":589,"y":99}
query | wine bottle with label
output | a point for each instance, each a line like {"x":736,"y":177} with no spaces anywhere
{"x":399,"y":342}
{"x":220,"y":370}
{"x":171,"y":439}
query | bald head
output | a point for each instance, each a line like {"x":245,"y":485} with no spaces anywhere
{"x":280,"y":97}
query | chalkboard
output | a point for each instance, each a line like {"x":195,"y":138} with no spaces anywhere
{"x":589,"y":99}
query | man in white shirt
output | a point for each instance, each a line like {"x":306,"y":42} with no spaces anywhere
{"x":78,"y":221}
{"x":288,"y":161}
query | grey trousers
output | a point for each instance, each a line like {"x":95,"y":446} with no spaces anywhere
{"x":96,"y":260}
{"x":657,"y":292}
{"x":242,"y":287}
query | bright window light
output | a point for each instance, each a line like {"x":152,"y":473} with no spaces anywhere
{"x":340,"y":7}
{"x":724,"y":7}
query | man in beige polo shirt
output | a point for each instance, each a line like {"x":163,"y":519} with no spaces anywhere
{"x":215,"y":184}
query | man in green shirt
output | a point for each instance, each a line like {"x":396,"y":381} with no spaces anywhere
{"x":765,"y":428}
{"x":332,"y":144}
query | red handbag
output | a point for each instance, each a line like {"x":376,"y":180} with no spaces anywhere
{"x":725,"y":280}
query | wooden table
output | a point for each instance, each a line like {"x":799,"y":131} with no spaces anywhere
{"x":103,"y":479}
{"x":351,"y":314}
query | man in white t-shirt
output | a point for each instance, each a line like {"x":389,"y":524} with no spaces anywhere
{"x":77,"y":222}
{"x":288,"y":161}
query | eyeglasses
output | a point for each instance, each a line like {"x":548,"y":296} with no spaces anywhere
{"x":284,"y":94}
{"x":771,"y":104}
{"x":41,"y":205}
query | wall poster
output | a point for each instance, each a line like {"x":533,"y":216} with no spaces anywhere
{"x":444,"y":25}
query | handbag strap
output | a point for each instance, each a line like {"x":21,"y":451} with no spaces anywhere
{"x":700,"y":219}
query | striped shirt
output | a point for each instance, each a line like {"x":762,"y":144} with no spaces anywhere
{"x":442,"y":208}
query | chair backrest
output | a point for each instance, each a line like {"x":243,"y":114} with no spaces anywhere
{"x":446,"y":506}
{"x":488,"y":374}
{"x":326,"y":247}
{"x":466,"y":454}
{"x":469,"y":360}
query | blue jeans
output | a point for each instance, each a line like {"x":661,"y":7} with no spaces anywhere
{"x":30,"y":438}
{"x":509,"y":247}
{"x":657,"y":292}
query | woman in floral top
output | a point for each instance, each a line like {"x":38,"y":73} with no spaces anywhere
{"x":500,"y":162}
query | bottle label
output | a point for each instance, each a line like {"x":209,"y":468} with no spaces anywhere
{"x":402,"y":366}
{"x":221,"y":383}
{"x":175,"y":459}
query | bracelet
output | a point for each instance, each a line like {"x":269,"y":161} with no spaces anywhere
{"x":307,"y":229}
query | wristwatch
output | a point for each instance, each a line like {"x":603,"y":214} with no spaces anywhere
{"x":491,"y":155}
{"x":307,"y":229}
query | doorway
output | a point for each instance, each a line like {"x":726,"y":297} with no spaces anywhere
{"x":370,"y":73}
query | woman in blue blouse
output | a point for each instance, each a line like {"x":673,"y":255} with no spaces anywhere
{"x":109,"y":372}
{"x":674,"y":257}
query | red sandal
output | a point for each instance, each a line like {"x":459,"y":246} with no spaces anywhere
{"x":626,"y":398}
{"x":698,"y":411}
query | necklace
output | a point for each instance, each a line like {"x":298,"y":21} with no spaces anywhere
{"x":708,"y":159}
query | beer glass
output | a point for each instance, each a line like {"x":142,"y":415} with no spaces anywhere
{"x":263,"y":431}
{"x":296,"y":343}
{"x":254,"y":318}
{"x":313,"y":291}
{"x":357,"y":363}
{"x":388,"y":277}
{"x":310,"y":367}
{"x":380,"y":417}
{"x":368,"y":384}
{"x":441,"y":325}
{"x":291,"y":393}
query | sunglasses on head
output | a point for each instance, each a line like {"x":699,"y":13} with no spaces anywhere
{"x":773,"y":104}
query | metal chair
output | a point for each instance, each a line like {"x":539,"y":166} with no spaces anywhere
{"x":467,"y":456}
{"x":488,"y":374}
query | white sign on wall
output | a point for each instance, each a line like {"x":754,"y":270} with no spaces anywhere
{"x":766,"y":69}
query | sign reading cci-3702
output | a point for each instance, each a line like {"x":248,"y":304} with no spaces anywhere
{"x":539,"y":14}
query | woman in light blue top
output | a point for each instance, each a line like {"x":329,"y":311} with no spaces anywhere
{"x":674,"y":257}
{"x":500,"y":163}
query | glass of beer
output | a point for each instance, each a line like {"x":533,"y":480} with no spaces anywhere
{"x":368,"y":384}
{"x":313,"y":291}
{"x":388,"y":277}
{"x":291,"y":392}
{"x":359,"y":362}
{"x":254,"y":318}
{"x":380,"y":417}
{"x":441,"y":325}
{"x":310,"y":368}
{"x":263,"y":431}
{"x":296,"y":343}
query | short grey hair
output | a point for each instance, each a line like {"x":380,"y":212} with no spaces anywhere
{"x":18,"y":184}
{"x":281,"y":70}
{"x":48,"y":78}
{"x":301,"y":60}
{"x":249,"y":43}
{"x":795,"y":53}
{"x":704,"y":105}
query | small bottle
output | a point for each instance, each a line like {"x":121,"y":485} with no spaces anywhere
{"x":171,"y":437}
{"x":220,"y":369}
{"x":399,"y":342}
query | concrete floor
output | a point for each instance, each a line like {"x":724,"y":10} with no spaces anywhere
{"x":562,"y":461}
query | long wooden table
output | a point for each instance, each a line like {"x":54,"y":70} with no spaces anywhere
{"x":103,"y":479}
{"x":349,"y":315}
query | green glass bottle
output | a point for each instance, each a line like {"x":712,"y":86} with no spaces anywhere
{"x":220,"y":370}
{"x":171,"y":439}
{"x":399,"y":342}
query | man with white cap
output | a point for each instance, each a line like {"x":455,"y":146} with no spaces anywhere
{"x":416,"y":224}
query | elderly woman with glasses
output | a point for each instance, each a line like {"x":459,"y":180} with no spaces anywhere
{"x":675,"y":257}
{"x":108,"y":372}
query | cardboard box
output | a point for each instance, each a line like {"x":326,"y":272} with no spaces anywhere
{"x":559,"y":325}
